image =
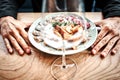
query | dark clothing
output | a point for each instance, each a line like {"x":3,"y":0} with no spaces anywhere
{"x":112,"y":8}
{"x":109,"y":8}
{"x":11,"y":7}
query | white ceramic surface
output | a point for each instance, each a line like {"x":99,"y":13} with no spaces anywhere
{"x":92,"y":34}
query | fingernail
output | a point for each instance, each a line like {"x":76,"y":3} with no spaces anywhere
{"x":10,"y":50}
{"x":28,"y":51}
{"x":94,"y":51}
{"x":21,"y":52}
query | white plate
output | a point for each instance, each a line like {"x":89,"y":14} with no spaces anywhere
{"x":92,"y":34}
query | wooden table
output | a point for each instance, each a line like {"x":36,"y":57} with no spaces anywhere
{"x":37,"y":65}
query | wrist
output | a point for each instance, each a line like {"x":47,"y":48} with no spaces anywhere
{"x":114,"y":18}
{"x":5,"y":19}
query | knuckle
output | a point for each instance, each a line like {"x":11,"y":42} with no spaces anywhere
{"x":17,"y":49}
{"x":26,"y":36}
{"x":13,"y":40}
{"x":114,"y":32}
{"x":111,"y":42}
{"x":107,"y":28}
{"x":105,"y":51}
{"x":4,"y":34}
{"x":103,"y":41}
{"x":7,"y":45}
{"x":10,"y":32}
{"x":19,"y":39}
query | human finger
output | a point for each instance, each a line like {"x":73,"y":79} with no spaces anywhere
{"x":116,"y":48}
{"x":24,"y":34}
{"x":99,"y":23}
{"x":7,"y":43}
{"x":5,"y":31}
{"x":21,"y":27}
{"x":16,"y":45}
{"x":102,"y":43}
{"x":102,"y":33}
{"x":22,"y":43}
{"x":109,"y":46}
{"x":19,"y":39}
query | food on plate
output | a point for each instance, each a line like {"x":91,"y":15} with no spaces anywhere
{"x":55,"y":29}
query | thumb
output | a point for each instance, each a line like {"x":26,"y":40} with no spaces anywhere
{"x":99,"y":23}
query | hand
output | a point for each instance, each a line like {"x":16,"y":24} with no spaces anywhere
{"x":108,"y":40}
{"x":14,"y":35}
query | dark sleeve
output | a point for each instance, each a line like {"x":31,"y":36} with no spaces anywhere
{"x":37,"y":5}
{"x":9,"y":7}
{"x":111,"y":8}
